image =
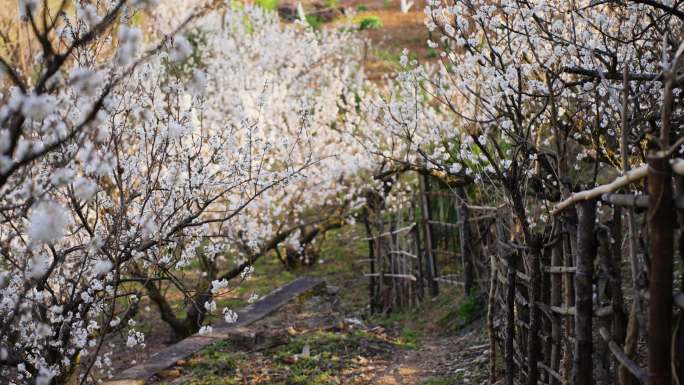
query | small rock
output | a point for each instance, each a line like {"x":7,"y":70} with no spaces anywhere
{"x":354,"y":322}
{"x":332,"y":290}
{"x":306,"y":351}
{"x":181,"y":363}
{"x":315,"y":301}
{"x":291,"y":359}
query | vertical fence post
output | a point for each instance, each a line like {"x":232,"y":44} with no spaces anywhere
{"x":569,"y":228}
{"x":605,"y":291}
{"x":534,"y":297}
{"x":555,"y":300}
{"x":379,"y":251}
{"x":661,"y":234}
{"x":372,"y":292}
{"x":493,"y":278}
{"x":610,"y":246}
{"x":679,"y":343}
{"x":619,"y":322}
{"x":416,"y":249}
{"x":431,"y":269}
{"x":464,"y":238}
{"x":510,"y":319}
{"x":582,"y":368}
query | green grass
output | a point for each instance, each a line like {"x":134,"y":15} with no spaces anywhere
{"x":370,"y":22}
{"x":392,"y":56}
{"x":331,"y":353}
{"x":270,"y":5}
{"x":270,"y":274}
{"x":395,"y":318}
{"x":214,"y":366}
{"x":314,"y":21}
{"x":215,"y":361}
{"x":408,"y":339}
{"x":467,"y":311}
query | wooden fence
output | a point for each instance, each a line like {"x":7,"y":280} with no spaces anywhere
{"x":589,"y":302}
{"x":415,"y":249}
{"x":562,"y":311}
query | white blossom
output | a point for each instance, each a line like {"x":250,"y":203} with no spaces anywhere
{"x":48,"y":222}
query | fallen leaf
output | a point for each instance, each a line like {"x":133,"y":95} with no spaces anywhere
{"x":170,"y":373}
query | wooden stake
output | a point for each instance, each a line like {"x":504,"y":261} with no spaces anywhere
{"x":661,"y":235}
{"x":583,"y":366}
{"x":431,"y":269}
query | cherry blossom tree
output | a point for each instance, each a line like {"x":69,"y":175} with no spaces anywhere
{"x":113,"y":168}
{"x":531,"y":102}
{"x":295,"y":88}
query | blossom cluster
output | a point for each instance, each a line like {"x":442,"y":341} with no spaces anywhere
{"x":187,"y":144}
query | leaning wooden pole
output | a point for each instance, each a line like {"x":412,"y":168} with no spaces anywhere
{"x":582,"y":367}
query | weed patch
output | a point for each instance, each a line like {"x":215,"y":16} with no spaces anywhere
{"x":467,"y":311}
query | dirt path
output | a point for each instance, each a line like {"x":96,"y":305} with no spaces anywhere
{"x":322,"y":340}
{"x":439,"y":360}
